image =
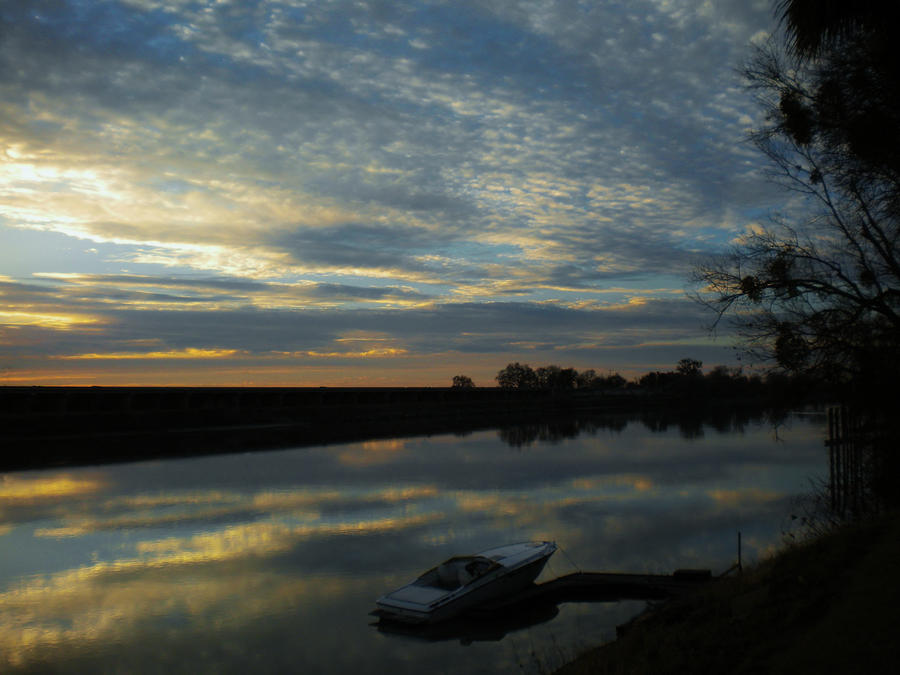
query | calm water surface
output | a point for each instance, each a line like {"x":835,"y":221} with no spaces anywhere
{"x":271,"y":561}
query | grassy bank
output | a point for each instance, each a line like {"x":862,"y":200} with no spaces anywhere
{"x":827,"y":606}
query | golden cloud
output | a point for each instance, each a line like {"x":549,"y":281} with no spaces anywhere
{"x":16,"y":490}
{"x":56,"y":321}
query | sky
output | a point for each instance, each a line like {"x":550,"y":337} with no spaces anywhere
{"x":367,"y":193}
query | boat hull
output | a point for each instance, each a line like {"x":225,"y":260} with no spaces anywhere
{"x":505,"y":582}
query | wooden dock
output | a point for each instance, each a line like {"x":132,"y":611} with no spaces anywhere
{"x":539,"y":603}
{"x":604,"y":587}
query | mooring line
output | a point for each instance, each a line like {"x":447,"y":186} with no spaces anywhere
{"x":569,"y":558}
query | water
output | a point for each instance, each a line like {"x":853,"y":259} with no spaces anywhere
{"x":271,"y":561}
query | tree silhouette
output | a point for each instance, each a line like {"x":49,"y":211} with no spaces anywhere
{"x":689,"y":367}
{"x":587,"y":379}
{"x":822,"y":294}
{"x":462,"y":382}
{"x":554,"y":377}
{"x":517,"y":376}
{"x":814,"y":25}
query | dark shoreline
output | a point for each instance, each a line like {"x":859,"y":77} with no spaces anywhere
{"x":67,"y":426}
{"x":827,"y":605}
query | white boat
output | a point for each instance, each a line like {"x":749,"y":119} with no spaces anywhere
{"x":465,"y":582}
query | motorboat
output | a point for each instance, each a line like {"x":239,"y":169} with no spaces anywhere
{"x":466,"y":582}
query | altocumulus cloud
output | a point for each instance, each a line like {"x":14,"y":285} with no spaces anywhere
{"x":421,"y":187}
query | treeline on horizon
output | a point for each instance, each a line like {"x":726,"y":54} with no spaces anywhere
{"x":687,"y":377}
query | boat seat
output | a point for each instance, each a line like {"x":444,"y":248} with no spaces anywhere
{"x":448,"y":575}
{"x":464,"y":575}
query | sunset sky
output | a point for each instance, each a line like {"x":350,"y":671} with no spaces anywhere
{"x":367,"y":192}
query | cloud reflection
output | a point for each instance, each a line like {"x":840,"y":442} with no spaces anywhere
{"x":372,"y":452}
{"x":177,"y":552}
{"x":744,"y":496}
{"x":162,"y":510}
{"x":110,"y":601}
{"x":15,"y":490}
{"x":85,"y":611}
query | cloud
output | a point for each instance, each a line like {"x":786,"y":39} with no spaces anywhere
{"x":362,"y":247}
{"x":67,"y":326}
{"x":354,"y":156}
{"x":273,"y":316}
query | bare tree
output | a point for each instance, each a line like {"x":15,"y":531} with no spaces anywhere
{"x":822,"y":293}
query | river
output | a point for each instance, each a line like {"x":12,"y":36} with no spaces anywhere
{"x":271,"y":561}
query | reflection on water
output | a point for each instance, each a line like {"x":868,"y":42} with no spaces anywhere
{"x":272,"y":561}
{"x":474,"y":628}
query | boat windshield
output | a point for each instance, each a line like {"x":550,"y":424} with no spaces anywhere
{"x":457,"y":572}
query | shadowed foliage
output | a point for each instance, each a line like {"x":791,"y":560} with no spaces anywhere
{"x":814,"y":25}
{"x":820,"y":294}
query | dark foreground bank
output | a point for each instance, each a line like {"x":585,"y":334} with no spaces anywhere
{"x":53,"y":426}
{"x":827,"y":606}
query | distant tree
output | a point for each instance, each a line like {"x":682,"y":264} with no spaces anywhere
{"x":587,"y":379}
{"x":689,"y":367}
{"x":723,"y":381}
{"x":721,"y":373}
{"x":462,"y":382}
{"x":554,"y":377}
{"x":567,"y":378}
{"x":517,"y":376}
{"x":614,"y":381}
{"x":546,"y":376}
{"x":656,"y":380}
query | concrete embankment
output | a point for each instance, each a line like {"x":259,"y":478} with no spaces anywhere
{"x":827,"y":606}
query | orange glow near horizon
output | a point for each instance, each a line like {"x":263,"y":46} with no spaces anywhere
{"x":269,"y":370}
{"x":403,"y":370}
{"x":189,"y":353}
{"x":378,"y":366}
